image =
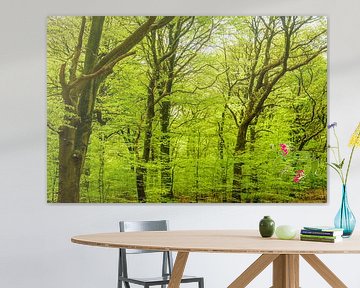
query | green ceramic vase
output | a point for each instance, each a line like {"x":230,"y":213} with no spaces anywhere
{"x":266,"y":226}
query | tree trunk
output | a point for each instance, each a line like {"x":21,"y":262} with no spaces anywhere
{"x":238,"y":163}
{"x":101,"y":185}
{"x":254,"y":170}
{"x":140,"y":183}
{"x":150,"y":114}
{"x":54,"y":184}
{"x":141,"y":170}
{"x":79,"y":94}
{"x":69,"y":167}
{"x":166,"y":174}
{"x":166,"y":179}
{"x":223,"y":166}
{"x":75,"y":134}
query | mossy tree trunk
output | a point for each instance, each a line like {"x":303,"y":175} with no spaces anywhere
{"x":79,"y":95}
{"x":264,"y":73}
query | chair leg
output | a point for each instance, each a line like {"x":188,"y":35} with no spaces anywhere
{"x":201,"y":283}
{"x":126,"y":284}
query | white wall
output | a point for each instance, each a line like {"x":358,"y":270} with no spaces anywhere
{"x":35,"y":248}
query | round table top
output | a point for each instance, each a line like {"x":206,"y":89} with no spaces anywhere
{"x":219,"y":241}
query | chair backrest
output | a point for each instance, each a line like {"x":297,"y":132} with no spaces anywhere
{"x":134,"y":226}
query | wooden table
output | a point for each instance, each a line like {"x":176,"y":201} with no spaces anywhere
{"x":284,"y":254}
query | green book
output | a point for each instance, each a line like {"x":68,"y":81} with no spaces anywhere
{"x":319,"y":239}
{"x":319,"y":236}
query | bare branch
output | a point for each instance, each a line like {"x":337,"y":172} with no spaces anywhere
{"x":163,"y":22}
{"x":304,"y":44}
{"x":77,"y":52}
{"x":321,"y":50}
{"x":126,"y":45}
{"x":233,"y":114}
{"x":103,"y":70}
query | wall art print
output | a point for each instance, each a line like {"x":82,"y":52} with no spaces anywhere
{"x":186,"y":109}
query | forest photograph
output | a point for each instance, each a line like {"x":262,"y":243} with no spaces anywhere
{"x":186,"y":109}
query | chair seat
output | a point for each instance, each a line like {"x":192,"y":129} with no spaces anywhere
{"x":167,"y":261}
{"x":158,"y":280}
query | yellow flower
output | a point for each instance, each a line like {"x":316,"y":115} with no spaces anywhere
{"x":355,"y":138}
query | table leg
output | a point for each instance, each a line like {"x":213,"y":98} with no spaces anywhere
{"x":178,"y":270}
{"x":324,"y":271}
{"x":286,"y":271}
{"x":253,"y":270}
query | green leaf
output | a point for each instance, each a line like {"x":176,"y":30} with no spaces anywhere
{"x":339,"y":166}
{"x":336,"y":165}
{"x":342,"y":163}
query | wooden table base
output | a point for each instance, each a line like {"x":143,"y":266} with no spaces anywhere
{"x":324,"y":271}
{"x":286,"y":271}
{"x":253,"y":270}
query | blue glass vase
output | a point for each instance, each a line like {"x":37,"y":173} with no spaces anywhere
{"x":345,"y":219}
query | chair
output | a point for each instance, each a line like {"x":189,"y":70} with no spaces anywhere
{"x":167,"y":262}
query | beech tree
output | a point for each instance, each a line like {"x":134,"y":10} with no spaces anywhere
{"x":186,"y":109}
{"x":266,"y":64}
{"x":168,"y":52}
{"x":79,"y":92}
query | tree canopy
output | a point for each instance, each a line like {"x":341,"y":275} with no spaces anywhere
{"x":187,"y":109}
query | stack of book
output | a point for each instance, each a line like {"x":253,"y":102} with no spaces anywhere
{"x":321,"y":234}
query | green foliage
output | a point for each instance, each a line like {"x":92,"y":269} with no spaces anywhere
{"x":210,"y":77}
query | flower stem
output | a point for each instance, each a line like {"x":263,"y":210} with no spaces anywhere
{"x":337,"y":144}
{"x":348,"y":166}
{"x":351,"y":156}
{"x":338,"y":159}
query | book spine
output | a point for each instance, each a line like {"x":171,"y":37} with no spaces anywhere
{"x":320,"y":233}
{"x":318,"y":239}
{"x":319,"y":236}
